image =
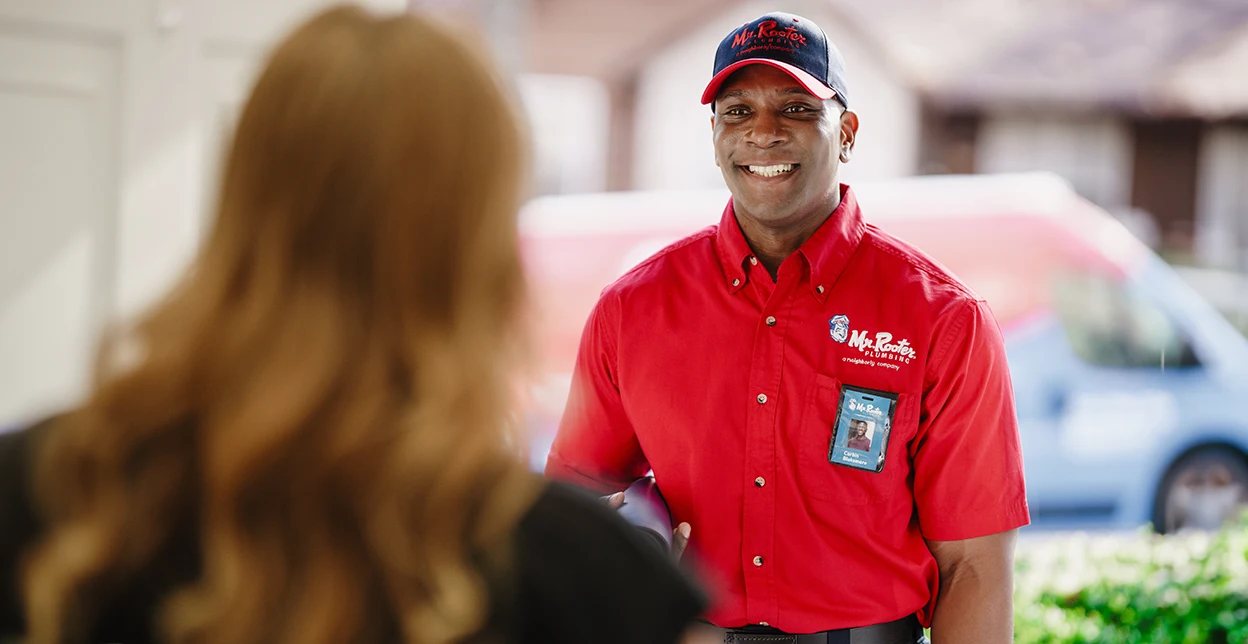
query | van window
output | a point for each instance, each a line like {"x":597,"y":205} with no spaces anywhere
{"x":1110,"y":324}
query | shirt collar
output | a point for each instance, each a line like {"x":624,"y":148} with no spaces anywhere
{"x":826,"y":252}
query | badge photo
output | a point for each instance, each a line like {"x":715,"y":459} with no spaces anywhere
{"x":864,"y":420}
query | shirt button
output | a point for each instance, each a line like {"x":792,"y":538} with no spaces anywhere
{"x":758,"y":561}
{"x":736,"y":282}
{"x":753,"y":261}
{"x":819,"y":288}
{"x":762,"y":399}
{"x":771,"y":320}
{"x":760,"y":481}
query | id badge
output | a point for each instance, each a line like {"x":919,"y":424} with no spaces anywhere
{"x":864,"y":419}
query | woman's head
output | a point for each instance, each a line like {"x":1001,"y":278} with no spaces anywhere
{"x":323,"y":396}
{"x":376,"y":161}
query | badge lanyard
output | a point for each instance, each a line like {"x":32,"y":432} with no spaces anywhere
{"x":864,"y":420}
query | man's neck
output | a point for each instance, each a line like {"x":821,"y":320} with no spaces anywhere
{"x":773,"y":245}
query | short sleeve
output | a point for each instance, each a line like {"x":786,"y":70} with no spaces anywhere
{"x":586,"y":576}
{"x":595,"y":446}
{"x":968,"y":467}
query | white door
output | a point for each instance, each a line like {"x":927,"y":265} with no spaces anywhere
{"x":60,"y":87}
{"x":111,"y":115}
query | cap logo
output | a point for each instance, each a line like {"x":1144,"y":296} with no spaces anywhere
{"x":768,"y":37}
{"x":791,"y":43}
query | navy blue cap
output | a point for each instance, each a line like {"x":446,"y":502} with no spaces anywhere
{"x":787,"y":42}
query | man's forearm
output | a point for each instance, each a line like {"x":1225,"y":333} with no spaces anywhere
{"x":976,"y":601}
{"x":970,"y":609}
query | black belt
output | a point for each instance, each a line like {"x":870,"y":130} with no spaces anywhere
{"x":903,"y":631}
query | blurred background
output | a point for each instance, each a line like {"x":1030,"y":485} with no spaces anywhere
{"x":1124,"y":121}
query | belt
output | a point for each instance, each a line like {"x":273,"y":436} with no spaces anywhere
{"x":903,"y":631}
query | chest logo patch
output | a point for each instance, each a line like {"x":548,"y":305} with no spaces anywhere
{"x":878,"y":349}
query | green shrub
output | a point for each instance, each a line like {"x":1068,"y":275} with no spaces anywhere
{"x":1189,"y":588}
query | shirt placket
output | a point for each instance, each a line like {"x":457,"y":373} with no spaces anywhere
{"x":759,"y":507}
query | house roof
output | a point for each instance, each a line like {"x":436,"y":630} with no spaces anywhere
{"x":1171,"y":57}
{"x":607,"y":38}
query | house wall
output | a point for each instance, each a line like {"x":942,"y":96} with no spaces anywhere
{"x":111,"y":121}
{"x":1092,"y":152}
{"x":1222,"y":198}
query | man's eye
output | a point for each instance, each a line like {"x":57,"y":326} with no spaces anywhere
{"x":796,"y":109}
{"x":735,"y":111}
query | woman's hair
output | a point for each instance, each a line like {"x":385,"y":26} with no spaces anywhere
{"x":323,"y":400}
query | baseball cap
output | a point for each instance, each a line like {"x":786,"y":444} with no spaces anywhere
{"x":787,"y":42}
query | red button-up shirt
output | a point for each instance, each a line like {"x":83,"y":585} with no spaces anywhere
{"x":698,"y":366}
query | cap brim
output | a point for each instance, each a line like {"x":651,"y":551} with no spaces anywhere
{"x":812,"y":84}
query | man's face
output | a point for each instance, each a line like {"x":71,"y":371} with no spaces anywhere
{"x":779,"y":147}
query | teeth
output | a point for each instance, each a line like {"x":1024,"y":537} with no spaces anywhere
{"x":771,"y":170}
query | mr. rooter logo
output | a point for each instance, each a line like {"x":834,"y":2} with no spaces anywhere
{"x":767,"y":31}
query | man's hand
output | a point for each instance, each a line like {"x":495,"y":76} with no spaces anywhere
{"x":680,"y":536}
{"x":680,"y":540}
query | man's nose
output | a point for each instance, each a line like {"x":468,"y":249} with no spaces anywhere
{"x":766,"y":131}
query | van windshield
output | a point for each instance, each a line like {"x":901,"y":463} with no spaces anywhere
{"x":1111,"y":324}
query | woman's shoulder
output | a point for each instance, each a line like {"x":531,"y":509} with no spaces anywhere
{"x":560,"y":502}
{"x":570,"y":527}
{"x":19,"y":519}
{"x":586,"y":575}
{"x":17,"y":462}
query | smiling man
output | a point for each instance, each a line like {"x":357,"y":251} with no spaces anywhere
{"x":731,"y":362}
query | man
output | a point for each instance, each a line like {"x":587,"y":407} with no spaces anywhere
{"x":722,"y":362}
{"x":858,"y":436}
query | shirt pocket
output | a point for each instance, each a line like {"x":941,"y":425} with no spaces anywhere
{"x":825,"y":481}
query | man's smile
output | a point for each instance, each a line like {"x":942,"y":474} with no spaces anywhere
{"x":770,"y":171}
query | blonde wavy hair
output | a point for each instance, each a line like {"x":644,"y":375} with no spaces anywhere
{"x":323,"y":398}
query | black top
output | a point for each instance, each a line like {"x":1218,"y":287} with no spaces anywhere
{"x":582,"y":574}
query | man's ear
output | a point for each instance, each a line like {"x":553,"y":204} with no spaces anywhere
{"x":849,"y":134}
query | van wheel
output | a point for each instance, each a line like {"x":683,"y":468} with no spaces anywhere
{"x":1203,"y":490}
